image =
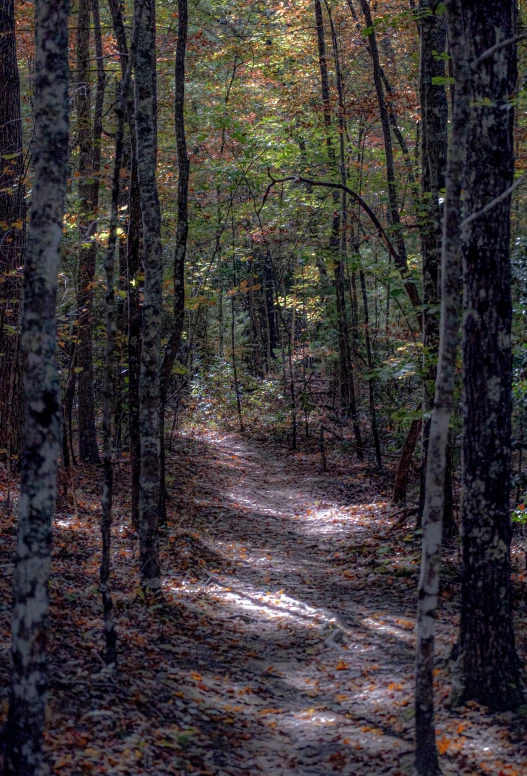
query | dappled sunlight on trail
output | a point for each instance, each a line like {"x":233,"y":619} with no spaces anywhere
{"x":285,"y":644}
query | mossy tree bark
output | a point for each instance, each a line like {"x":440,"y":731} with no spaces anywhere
{"x":42,"y":423}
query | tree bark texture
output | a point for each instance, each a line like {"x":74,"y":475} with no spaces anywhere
{"x":88,"y":197}
{"x":133,"y":250}
{"x":12,"y":234}
{"x":426,"y":760}
{"x":181,"y":231}
{"x":150,"y":377}
{"x":488,"y":665}
{"x":434,"y":122}
{"x":26,"y":717}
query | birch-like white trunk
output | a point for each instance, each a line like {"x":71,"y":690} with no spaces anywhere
{"x":426,"y":761}
{"x":26,"y":718}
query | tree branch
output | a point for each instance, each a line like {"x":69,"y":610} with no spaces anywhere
{"x":497,"y":47}
{"x":364,"y":205}
{"x":409,"y":284}
{"x":490,"y":205}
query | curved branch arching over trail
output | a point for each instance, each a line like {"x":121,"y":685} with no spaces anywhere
{"x":400,"y":263}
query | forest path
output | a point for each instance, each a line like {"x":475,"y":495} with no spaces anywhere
{"x":319,"y":651}
{"x":315,"y":617}
{"x":284,"y":646}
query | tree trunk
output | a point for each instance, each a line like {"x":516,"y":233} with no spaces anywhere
{"x":26,"y":717}
{"x":110,"y":635}
{"x":488,"y":665}
{"x":369,"y":361}
{"x":338,"y":240}
{"x":348,"y":374}
{"x":181,"y":231}
{"x":88,"y":200}
{"x":150,"y":377}
{"x":403,"y":469}
{"x":426,"y":760}
{"x":134,"y":334}
{"x":12,"y":235}
{"x":395,"y":219}
{"x":133,"y":250}
{"x":434,"y":121}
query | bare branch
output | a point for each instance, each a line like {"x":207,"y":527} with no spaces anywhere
{"x":497,"y":47}
{"x":474,"y":216}
{"x":364,"y":205}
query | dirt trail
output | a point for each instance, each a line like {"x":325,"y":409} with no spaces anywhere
{"x":320,"y":608}
{"x":285,"y":643}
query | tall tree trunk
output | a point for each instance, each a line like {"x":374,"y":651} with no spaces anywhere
{"x":394,"y":216}
{"x":434,"y":121}
{"x":150,"y":377}
{"x":133,"y":253}
{"x":26,"y":717}
{"x":181,"y":230}
{"x":488,"y":664}
{"x":347,"y":384}
{"x":369,"y":361}
{"x":347,"y":372}
{"x":88,"y":197}
{"x":426,"y":760}
{"x":271,"y":325}
{"x":12,"y":234}
{"x":133,"y":250}
{"x":110,"y":635}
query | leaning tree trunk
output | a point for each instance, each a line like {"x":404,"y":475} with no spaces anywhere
{"x":12,"y":234}
{"x":426,"y":760}
{"x":88,"y":197}
{"x":400,"y":487}
{"x":150,"y":377}
{"x":42,"y":422}
{"x":488,"y":664}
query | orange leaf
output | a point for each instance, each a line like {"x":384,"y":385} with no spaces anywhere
{"x":443,"y":744}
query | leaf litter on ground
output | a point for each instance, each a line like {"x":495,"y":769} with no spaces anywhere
{"x":285,"y":641}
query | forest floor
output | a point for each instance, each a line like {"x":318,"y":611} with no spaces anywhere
{"x":285,"y":644}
